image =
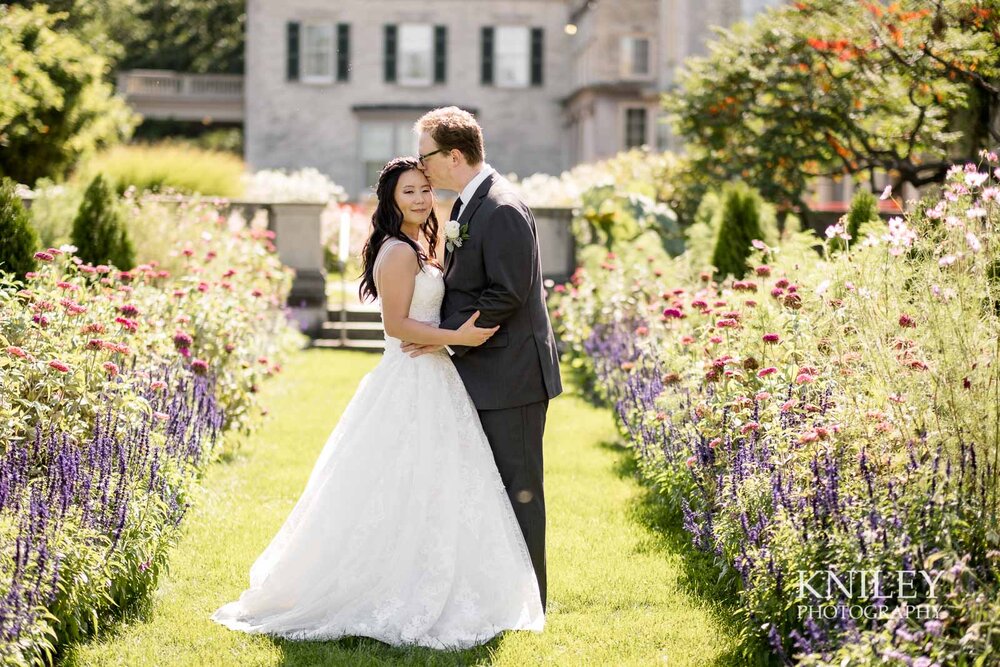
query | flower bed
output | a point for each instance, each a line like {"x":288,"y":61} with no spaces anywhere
{"x":116,"y":389}
{"x":829,"y":426}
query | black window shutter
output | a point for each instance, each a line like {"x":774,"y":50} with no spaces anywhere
{"x":537,"y":58}
{"x":343,"y":51}
{"x":390,"y":54}
{"x":440,"y":53}
{"x":487,"y":65}
{"x":292,"y":41}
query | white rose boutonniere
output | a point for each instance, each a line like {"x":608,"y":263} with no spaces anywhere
{"x":455,"y":234}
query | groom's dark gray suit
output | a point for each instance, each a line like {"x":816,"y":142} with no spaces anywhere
{"x":512,"y":376}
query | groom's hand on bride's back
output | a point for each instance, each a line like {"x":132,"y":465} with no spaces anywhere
{"x":415,"y":349}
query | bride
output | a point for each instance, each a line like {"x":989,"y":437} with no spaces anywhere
{"x":404,"y":532}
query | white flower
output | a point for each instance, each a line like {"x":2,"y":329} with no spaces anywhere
{"x":975,"y":179}
{"x":452,"y":230}
{"x":973,"y":242}
{"x":68,"y":248}
{"x":886,"y":193}
{"x":976,"y":212}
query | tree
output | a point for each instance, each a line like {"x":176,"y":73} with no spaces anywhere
{"x":183,"y":35}
{"x":825,"y":88}
{"x":54,"y":104}
{"x":20,"y":242}
{"x":98,"y":230}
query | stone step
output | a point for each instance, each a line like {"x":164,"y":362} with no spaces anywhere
{"x":353,"y":330}
{"x":362,"y":345}
{"x":355,"y":313}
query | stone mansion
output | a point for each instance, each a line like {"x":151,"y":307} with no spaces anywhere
{"x":338,"y":84}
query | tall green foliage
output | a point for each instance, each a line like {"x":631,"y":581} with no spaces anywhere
{"x":19,"y":238}
{"x":54,"y":103}
{"x":864,"y":208}
{"x":738,"y":227}
{"x":99,"y":231}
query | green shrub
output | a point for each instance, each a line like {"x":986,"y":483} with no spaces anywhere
{"x":169,"y":166}
{"x":99,"y":231}
{"x":19,"y":238}
{"x":864,"y":208}
{"x":739,"y":225}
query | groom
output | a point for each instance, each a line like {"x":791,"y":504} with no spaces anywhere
{"x":497,"y":271}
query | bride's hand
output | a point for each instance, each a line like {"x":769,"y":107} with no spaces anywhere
{"x":472,"y":335}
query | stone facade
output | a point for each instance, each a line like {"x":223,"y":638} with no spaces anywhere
{"x":566,"y":98}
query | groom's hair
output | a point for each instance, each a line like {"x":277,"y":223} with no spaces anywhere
{"x":451,"y":128}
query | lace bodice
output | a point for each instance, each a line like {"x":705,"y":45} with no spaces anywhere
{"x":428,"y":292}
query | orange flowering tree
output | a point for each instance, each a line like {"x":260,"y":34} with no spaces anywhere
{"x":826,"y":88}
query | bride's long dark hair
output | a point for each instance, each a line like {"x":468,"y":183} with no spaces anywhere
{"x":387,"y":222}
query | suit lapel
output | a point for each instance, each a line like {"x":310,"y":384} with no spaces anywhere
{"x":469,"y":212}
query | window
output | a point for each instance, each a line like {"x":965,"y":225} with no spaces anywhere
{"x":318,"y":52}
{"x":635,"y":127}
{"x":512,"y":56}
{"x":416,"y":54}
{"x":381,"y":141}
{"x":635,"y":56}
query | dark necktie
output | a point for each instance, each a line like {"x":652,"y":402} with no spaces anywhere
{"x":456,"y":208}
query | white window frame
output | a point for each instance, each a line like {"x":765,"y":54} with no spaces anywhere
{"x":304,"y":56}
{"x":627,"y":48}
{"x":511,"y":56}
{"x":408,"y":43}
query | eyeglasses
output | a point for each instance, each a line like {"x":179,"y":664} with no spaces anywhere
{"x":421,"y":158}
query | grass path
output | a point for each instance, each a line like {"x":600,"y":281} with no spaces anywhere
{"x":620,"y":592}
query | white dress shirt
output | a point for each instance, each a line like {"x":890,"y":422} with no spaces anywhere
{"x":470,"y":189}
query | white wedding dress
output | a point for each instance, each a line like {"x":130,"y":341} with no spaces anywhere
{"x":404,"y":532}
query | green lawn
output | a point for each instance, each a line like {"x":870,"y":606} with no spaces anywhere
{"x":622,"y":587}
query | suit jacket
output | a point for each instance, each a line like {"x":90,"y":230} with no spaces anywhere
{"x":498,"y":272}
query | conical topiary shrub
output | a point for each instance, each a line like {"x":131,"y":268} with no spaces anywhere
{"x":738,"y":227}
{"x":98,"y":231}
{"x":864,"y":208}
{"x":20,"y":241}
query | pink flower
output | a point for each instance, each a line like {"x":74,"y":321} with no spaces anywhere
{"x":15,"y":351}
{"x":805,"y":378}
{"x":257,"y":293}
{"x":781,"y":283}
{"x":62,"y":284}
{"x":764,"y":372}
{"x":687,"y":340}
{"x":691,"y":460}
{"x":43,"y":256}
{"x":229,"y":347}
{"x":714,"y":442}
{"x":771,"y":338}
{"x":199,"y":366}
{"x":727,"y":323}
{"x":158,"y":385}
{"x":748,"y":427}
{"x":672,"y":313}
{"x":907,"y":321}
{"x":95,"y":344}
{"x":184,"y":352}
{"x":31,"y":275}
{"x":762,"y":396}
{"x":715,"y":339}
{"x":698,"y":303}
{"x":641,"y":331}
{"x":111,"y":368}
{"x":162,"y":416}
{"x":130,"y":325}
{"x":182,"y":339}
{"x":763,"y":270}
{"x":59,"y":366}
{"x":129,"y":310}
